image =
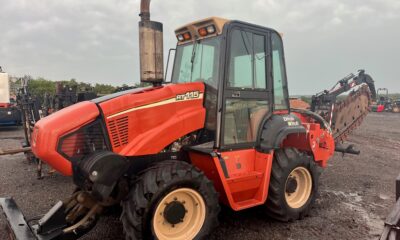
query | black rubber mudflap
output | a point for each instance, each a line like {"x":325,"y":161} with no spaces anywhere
{"x":20,"y":229}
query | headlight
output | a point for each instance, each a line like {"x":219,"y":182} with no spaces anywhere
{"x":84,"y":141}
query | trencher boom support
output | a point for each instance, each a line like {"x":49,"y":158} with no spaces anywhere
{"x":221,"y":131}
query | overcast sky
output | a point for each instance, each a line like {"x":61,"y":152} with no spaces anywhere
{"x":96,"y":40}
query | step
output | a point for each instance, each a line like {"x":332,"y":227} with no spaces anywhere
{"x":244,"y":181}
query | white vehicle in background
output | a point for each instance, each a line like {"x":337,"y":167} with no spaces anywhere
{"x":9,"y":113}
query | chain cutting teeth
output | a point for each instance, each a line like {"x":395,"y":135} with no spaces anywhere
{"x":346,"y":116}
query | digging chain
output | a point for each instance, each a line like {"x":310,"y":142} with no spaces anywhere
{"x":348,"y":114}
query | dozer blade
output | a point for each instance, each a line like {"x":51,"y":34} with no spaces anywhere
{"x":349,"y":113}
{"x":49,"y":227}
{"x":18,"y":227}
{"x":66,"y":220}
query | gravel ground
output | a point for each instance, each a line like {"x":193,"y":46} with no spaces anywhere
{"x":356,"y":192}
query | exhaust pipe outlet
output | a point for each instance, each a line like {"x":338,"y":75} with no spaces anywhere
{"x":145,"y":10}
{"x":150,"y":47}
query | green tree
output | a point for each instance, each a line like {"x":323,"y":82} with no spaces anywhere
{"x":103,"y":89}
{"x":40,"y":86}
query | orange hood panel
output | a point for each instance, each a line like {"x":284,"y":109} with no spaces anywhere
{"x":49,"y":130}
{"x":138,"y":122}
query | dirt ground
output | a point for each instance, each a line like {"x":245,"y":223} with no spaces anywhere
{"x":356,"y":192}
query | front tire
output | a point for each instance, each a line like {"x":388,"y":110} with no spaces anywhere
{"x":293,"y":185}
{"x":172,"y":199}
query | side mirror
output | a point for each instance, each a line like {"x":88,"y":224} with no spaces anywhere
{"x":168,"y":76}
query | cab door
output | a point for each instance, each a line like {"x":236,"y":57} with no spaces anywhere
{"x":247,"y":96}
{"x":246,"y":101}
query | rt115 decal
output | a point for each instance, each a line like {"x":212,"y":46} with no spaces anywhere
{"x":188,"y":96}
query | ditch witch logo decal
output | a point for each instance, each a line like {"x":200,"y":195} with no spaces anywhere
{"x":291,"y":121}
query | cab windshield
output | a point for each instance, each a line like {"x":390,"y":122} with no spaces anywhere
{"x":197,"y":62}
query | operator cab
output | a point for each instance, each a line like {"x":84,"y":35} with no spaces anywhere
{"x":243,"y":68}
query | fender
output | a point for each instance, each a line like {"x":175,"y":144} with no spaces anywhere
{"x":275,"y":128}
{"x":104,"y":169}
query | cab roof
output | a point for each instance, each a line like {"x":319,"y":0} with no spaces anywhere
{"x":193,"y":27}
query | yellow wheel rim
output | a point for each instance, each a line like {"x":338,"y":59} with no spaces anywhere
{"x":189,"y":225}
{"x":298,"y":187}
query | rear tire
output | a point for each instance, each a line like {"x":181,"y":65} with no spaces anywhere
{"x":293,"y":185}
{"x":170,"y":199}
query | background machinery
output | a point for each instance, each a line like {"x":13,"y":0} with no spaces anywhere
{"x":67,"y":95}
{"x":396,"y":106}
{"x":9,"y":113}
{"x":221,"y":131}
{"x":383,"y":103}
{"x":34,"y":107}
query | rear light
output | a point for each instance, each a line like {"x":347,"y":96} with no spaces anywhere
{"x":84,"y":141}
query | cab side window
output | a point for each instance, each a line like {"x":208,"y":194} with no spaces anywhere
{"x":245,"y":107}
{"x":247,"y":61}
{"x":278,"y":72}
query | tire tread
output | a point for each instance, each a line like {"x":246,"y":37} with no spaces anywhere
{"x":285,"y":160}
{"x":150,"y":186}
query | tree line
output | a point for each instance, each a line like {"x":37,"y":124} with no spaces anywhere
{"x":40,"y":86}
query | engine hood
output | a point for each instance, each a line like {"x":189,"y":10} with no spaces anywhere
{"x":137,"y":122}
{"x":144,"y":121}
{"x":49,"y":130}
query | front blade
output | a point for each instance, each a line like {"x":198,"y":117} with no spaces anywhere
{"x":20,"y":229}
